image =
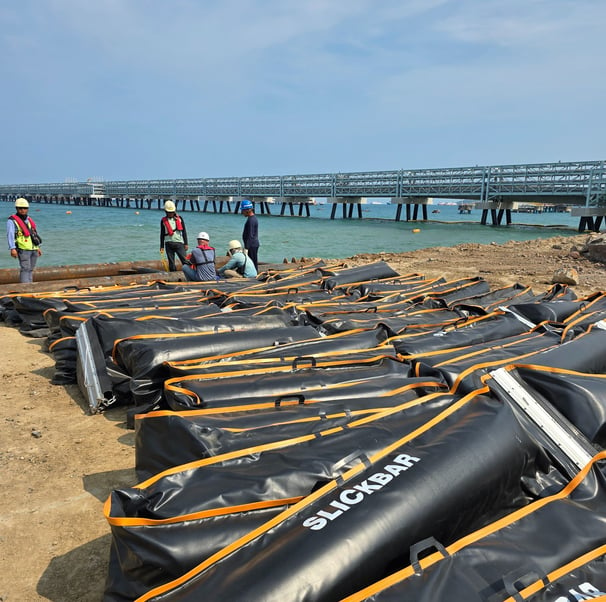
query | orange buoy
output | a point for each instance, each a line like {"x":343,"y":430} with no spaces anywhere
{"x":416,"y":231}
{"x":136,"y":213}
{"x":68,"y":212}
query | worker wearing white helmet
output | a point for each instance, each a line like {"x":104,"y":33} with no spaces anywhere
{"x":239,"y":264}
{"x":202,"y":260}
{"x":173,"y":236}
{"x":23,"y":240}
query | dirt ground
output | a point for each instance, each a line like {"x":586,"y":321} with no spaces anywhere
{"x":58,"y":464}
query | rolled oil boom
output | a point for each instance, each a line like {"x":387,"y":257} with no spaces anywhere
{"x":67,"y":272}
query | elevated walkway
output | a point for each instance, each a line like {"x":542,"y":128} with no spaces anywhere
{"x":581,"y":184}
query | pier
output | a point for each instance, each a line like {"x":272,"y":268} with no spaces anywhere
{"x":495,"y":190}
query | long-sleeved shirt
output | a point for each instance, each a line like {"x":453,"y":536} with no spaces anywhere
{"x":177,"y":236}
{"x":241,"y":264}
{"x":250,"y":234}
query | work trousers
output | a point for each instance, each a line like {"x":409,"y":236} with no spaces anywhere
{"x":27,"y":263}
{"x":172,"y":249}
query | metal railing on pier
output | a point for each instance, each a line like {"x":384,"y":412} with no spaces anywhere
{"x":580,"y":183}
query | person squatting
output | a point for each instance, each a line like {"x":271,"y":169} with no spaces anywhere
{"x":201,"y":260}
{"x":239,"y":264}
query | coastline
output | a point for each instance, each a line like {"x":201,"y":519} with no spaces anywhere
{"x":59,"y":464}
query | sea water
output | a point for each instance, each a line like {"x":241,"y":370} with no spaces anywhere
{"x":77,"y":235}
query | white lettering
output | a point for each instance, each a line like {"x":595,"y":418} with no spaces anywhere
{"x":590,"y":590}
{"x":351,"y":496}
{"x":315,"y":523}
{"x":380,"y":477}
{"x":328,"y":515}
{"x":395,"y":469}
{"x":406,"y":460}
{"x":357,"y":493}
{"x":367,"y":488}
{"x":587,"y":592}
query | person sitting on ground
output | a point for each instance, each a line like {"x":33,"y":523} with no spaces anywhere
{"x":239,"y":264}
{"x":202,"y":260}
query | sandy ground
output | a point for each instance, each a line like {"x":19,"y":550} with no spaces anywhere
{"x":58,"y":464}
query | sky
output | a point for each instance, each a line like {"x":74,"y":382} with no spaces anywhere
{"x":153,"y":89}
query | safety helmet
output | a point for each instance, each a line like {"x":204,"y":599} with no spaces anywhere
{"x":169,"y":207}
{"x":234,"y":245}
{"x":21,"y":202}
{"x":246,"y":204}
{"x":204,"y":236}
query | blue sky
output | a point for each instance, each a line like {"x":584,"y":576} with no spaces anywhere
{"x":150,"y":89}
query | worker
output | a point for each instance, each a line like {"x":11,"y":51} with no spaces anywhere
{"x":239,"y":264}
{"x":23,"y":240}
{"x":173,"y":236}
{"x":202,"y":261}
{"x":250,"y":234}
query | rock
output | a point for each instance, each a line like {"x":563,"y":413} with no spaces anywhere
{"x":597,"y":252}
{"x":36,"y":433}
{"x":565,"y":276}
{"x":557,"y":247}
{"x":574,"y":255}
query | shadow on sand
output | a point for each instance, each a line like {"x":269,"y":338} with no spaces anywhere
{"x":79,"y":575}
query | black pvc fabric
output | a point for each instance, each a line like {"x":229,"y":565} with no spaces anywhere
{"x":110,"y":330}
{"x":195,"y":392}
{"x":579,"y":397}
{"x":373,"y":271}
{"x":463,"y":368}
{"x":541,"y":548}
{"x":584,"y":353}
{"x":491,"y":327}
{"x":351,"y":531}
{"x":166,"y":439}
{"x":142,"y":360}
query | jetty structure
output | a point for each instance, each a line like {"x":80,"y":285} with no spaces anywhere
{"x":495,"y":190}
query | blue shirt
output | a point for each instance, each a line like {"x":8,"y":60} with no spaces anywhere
{"x":239,"y":259}
{"x":250,"y":234}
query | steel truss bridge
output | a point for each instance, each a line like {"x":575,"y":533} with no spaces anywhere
{"x":495,"y":188}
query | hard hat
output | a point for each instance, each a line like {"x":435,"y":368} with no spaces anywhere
{"x":21,"y":202}
{"x":204,"y":236}
{"x":169,"y":206}
{"x":234,"y":244}
{"x":246,"y":204}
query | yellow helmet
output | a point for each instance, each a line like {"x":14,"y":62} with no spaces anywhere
{"x":169,"y":206}
{"x":233,"y":246}
{"x":21,"y":202}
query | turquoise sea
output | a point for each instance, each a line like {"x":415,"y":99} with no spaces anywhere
{"x":76,"y":235}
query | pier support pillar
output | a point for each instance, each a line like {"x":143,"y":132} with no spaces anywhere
{"x":498,"y":210}
{"x":415,"y":202}
{"x":219,"y":202}
{"x":347,"y":204}
{"x":590,"y":218}
{"x":302,"y":203}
